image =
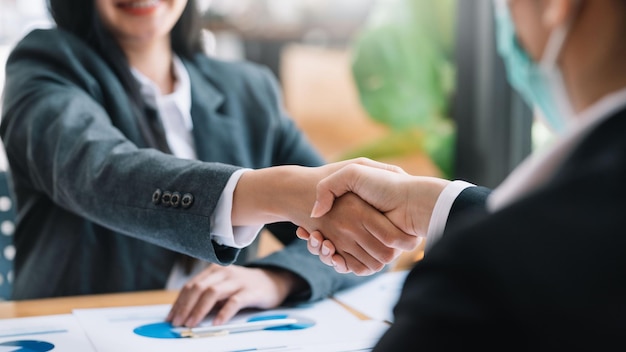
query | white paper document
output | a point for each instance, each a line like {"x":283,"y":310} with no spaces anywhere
{"x":45,"y":333}
{"x":323,"y":326}
{"x":377,"y":297}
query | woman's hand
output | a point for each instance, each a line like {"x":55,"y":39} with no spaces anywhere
{"x":226,"y":290}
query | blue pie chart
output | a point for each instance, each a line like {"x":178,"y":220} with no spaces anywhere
{"x":28,"y":346}
{"x":163,"y":330}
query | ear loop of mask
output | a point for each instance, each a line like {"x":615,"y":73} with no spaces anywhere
{"x":556,"y":41}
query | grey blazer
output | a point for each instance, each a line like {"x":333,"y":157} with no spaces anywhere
{"x":85,"y":182}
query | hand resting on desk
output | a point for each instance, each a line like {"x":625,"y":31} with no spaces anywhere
{"x":229,"y":289}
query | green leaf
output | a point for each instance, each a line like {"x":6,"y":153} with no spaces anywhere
{"x":403,"y":67}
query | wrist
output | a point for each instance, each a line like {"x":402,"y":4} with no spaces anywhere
{"x":425,"y":192}
{"x":287,"y":283}
{"x":281,"y":193}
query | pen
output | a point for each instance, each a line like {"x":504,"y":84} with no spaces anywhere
{"x":219,"y":330}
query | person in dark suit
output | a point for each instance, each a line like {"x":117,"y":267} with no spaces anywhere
{"x":136,"y":159}
{"x":538,"y":263}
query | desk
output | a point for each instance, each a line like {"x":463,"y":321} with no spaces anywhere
{"x":64,"y":305}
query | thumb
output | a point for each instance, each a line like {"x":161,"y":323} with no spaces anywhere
{"x":328,"y":189}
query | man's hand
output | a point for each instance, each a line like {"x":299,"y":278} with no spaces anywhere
{"x":406,"y":200}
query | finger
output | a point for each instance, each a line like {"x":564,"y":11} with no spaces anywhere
{"x":328,"y":248}
{"x":380,"y":165}
{"x":357,"y":259}
{"x":388,"y":234}
{"x":371,"y":253}
{"x":231,"y":307}
{"x":191,"y":293}
{"x":302,"y":233}
{"x":327,"y":252}
{"x":203,"y":306}
{"x":209,"y":299}
{"x":358,"y":267}
{"x":340,"y":264}
{"x":314,"y":243}
{"x":185,"y":301}
{"x":330,"y":188}
{"x":336,"y":260}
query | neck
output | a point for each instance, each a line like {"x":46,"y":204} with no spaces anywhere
{"x":154,"y":60}
{"x":594,"y":67}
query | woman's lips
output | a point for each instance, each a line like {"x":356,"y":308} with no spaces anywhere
{"x":139,"y":8}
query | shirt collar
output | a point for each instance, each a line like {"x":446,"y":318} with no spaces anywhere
{"x":181,"y":96}
{"x":540,"y":166}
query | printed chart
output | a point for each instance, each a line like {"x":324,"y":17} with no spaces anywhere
{"x":375,"y":298}
{"x":324,"y":326}
{"x":42,"y":334}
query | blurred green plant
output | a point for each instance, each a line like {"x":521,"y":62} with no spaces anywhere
{"x":404,"y":70}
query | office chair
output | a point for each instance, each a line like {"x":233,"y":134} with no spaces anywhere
{"x":7,"y":225}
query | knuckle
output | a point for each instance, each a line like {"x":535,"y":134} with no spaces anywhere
{"x":191,"y":286}
{"x":388,"y":256}
{"x":234,"y":301}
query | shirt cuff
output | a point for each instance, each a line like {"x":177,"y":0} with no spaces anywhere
{"x":223,"y":231}
{"x":441,"y":211}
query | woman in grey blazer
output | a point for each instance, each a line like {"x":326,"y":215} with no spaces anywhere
{"x":128,"y":147}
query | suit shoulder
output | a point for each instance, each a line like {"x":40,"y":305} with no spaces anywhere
{"x":234,"y":72}
{"x":47,"y":39}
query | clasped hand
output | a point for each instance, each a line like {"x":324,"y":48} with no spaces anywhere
{"x":406,"y":200}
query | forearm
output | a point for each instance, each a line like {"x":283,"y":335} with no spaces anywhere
{"x":281,"y":193}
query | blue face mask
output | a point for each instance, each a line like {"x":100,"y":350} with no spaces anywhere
{"x":540,"y":84}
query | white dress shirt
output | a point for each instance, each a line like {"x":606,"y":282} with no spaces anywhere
{"x":175,"y":112}
{"x":533,"y":171}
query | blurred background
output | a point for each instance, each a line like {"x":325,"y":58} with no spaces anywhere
{"x":411,"y":82}
{"x":417,"y":83}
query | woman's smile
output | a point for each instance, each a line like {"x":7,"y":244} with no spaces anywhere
{"x":139,"y":8}
{"x":140,"y":21}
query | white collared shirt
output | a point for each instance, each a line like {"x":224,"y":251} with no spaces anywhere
{"x":175,"y":112}
{"x":533,"y":171}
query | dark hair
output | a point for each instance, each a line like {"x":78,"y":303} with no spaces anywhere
{"x":80,"y":17}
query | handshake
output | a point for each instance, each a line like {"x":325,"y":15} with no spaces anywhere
{"x":384,"y":211}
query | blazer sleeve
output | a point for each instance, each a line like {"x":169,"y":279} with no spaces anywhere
{"x":471,"y":198}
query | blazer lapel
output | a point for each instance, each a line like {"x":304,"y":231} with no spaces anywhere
{"x":213,"y":130}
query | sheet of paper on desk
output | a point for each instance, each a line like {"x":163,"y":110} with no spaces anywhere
{"x":334,"y":329}
{"x":45,"y":333}
{"x":375,"y":298}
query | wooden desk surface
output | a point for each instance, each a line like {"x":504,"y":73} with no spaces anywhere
{"x":64,"y":305}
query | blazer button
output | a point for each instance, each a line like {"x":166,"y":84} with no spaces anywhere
{"x":187,"y":200}
{"x":175,"y":200}
{"x":156,"y":197}
{"x":165,"y":198}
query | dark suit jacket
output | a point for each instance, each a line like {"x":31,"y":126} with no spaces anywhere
{"x":84,"y":180}
{"x":547,"y":273}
